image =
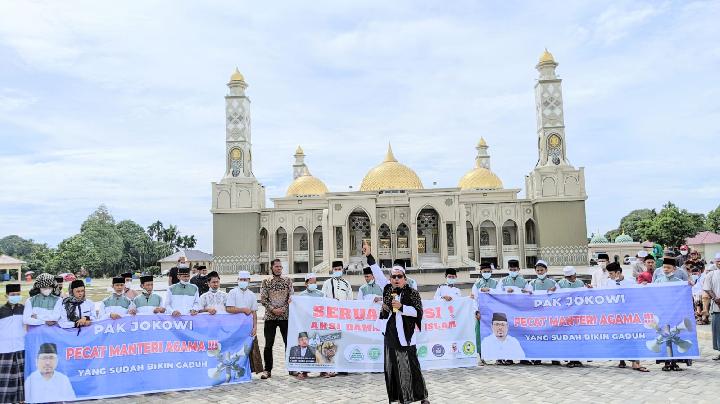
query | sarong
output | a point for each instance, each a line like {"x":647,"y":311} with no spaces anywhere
{"x":12,"y":378}
{"x":403,"y":379}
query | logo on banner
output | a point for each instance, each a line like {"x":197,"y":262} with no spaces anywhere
{"x":354,"y":354}
{"x":373,"y":353}
{"x":422,"y":351}
{"x":438,"y":350}
{"x":453,"y":347}
{"x":468,"y":348}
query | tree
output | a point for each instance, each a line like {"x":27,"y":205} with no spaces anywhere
{"x":670,"y":227}
{"x":634,"y":223}
{"x":136,"y":245}
{"x":16,"y":246}
{"x":186,"y":241}
{"x":155,"y":230}
{"x":712,"y":221}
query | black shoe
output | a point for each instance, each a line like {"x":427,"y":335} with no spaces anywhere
{"x":524,"y":362}
{"x":555,"y":363}
{"x":265,"y":375}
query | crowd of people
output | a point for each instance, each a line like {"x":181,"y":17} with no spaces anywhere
{"x":50,"y":305}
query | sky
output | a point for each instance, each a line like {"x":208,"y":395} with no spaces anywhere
{"x":121,"y":103}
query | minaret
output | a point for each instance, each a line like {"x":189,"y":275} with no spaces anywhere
{"x":298,"y":167}
{"x":549,"y":112}
{"x":238,"y":197}
{"x":556,"y":188}
{"x":483,"y":158}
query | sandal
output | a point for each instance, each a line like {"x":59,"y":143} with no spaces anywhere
{"x":642,"y":369}
{"x":666,"y":368}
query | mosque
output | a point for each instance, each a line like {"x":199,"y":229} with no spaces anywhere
{"x":478,"y":221}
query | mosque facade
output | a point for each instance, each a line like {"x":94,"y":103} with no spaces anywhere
{"x":478,"y":221}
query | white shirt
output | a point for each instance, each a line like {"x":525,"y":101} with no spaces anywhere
{"x":492,"y":348}
{"x":183,"y":303}
{"x":12,"y":337}
{"x":87,"y":308}
{"x":42,"y":314}
{"x":343,"y":289}
{"x":599,"y":276}
{"x":712,"y":282}
{"x":447,"y":290}
{"x":697,"y":289}
{"x":613,"y":284}
{"x":217,"y":300}
{"x":242,"y":298}
{"x":39,"y":390}
{"x":408,"y":311}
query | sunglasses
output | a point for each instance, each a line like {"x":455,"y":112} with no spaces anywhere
{"x":397,"y":276}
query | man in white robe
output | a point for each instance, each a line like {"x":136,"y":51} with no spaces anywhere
{"x":501,"y":345}
{"x":46,"y":384}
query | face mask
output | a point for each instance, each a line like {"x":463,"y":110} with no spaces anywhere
{"x":695,"y":278}
{"x":14,"y":299}
{"x":372,"y":282}
{"x":312,"y":286}
{"x":243,"y":284}
{"x":683,"y":252}
{"x":603,"y":265}
{"x":46,"y":291}
{"x":337,"y":274}
{"x":486,"y":275}
{"x":185,"y":282}
{"x":451,"y":281}
{"x":214,"y":290}
{"x":513,"y":274}
{"x":128,"y":284}
{"x":541,"y":277}
{"x":670,"y":275}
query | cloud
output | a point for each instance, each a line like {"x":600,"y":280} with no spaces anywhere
{"x":124,"y":105}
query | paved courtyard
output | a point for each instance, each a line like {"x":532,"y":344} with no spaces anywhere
{"x":597,"y":381}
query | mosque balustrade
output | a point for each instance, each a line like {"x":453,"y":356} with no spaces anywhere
{"x":301,"y":256}
{"x":488,"y":251}
{"x":264,"y":256}
{"x":281,"y":255}
{"x":513,"y":248}
{"x":531,"y":249}
{"x":318,"y":254}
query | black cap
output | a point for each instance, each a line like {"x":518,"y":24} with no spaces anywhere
{"x":485,"y":265}
{"x":77,"y":283}
{"x":450,"y":271}
{"x":126,"y":275}
{"x":183,"y":271}
{"x":669,"y":261}
{"x":613,"y":267}
{"x":337,"y":264}
{"x":399,"y":262}
{"x":12,"y":287}
{"x":213,"y":274}
{"x":649,"y":257}
{"x":202,"y":267}
{"x":146,"y":278}
{"x":59,"y":279}
{"x":603,"y":256}
{"x":302,"y":334}
{"x":118,"y":279}
{"x":499,"y":317}
{"x":48,"y":348}
{"x":367,"y":271}
{"x":513,"y":264}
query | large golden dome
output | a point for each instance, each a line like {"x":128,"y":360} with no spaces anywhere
{"x":480,"y":178}
{"x":307,"y":185}
{"x":547,"y":57}
{"x":390,"y":175}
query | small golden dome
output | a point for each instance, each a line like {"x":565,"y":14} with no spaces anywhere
{"x":482,"y":142}
{"x":480,"y":177}
{"x":547,"y":57}
{"x":390,"y":175}
{"x":306,"y":184}
{"x":299,"y":150}
{"x":237,"y":76}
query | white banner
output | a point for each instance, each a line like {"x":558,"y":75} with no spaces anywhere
{"x":344,"y":336}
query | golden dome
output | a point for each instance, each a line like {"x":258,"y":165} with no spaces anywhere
{"x":480,"y":177}
{"x":237,"y":76}
{"x":547,"y":57}
{"x":306,"y":184}
{"x":482,"y":142}
{"x":299,"y":150}
{"x":390,"y":175}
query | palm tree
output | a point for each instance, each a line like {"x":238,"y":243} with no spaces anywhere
{"x":155,"y":230}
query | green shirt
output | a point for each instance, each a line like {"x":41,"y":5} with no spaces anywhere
{"x":566,"y":284}
{"x":486,"y":283}
{"x":663,"y":278}
{"x":373,"y":289}
{"x":518,"y":281}
{"x":117,"y":301}
{"x":542,"y":284}
{"x":143,"y":300}
{"x":44,"y":302}
{"x":312,"y":293}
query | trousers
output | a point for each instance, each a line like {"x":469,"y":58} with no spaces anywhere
{"x":269,"y":330}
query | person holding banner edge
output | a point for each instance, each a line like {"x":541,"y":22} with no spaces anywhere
{"x":485,"y":284}
{"x":275,"y":295}
{"x":117,"y":304}
{"x":12,"y":347}
{"x":78,"y":312}
{"x":403,"y":310}
{"x":147,"y":302}
{"x":214,"y":300}
{"x":570,"y":281}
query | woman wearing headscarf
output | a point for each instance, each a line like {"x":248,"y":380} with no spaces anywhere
{"x":402,"y":308}
{"x":77,"y":310}
{"x":43,"y":307}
